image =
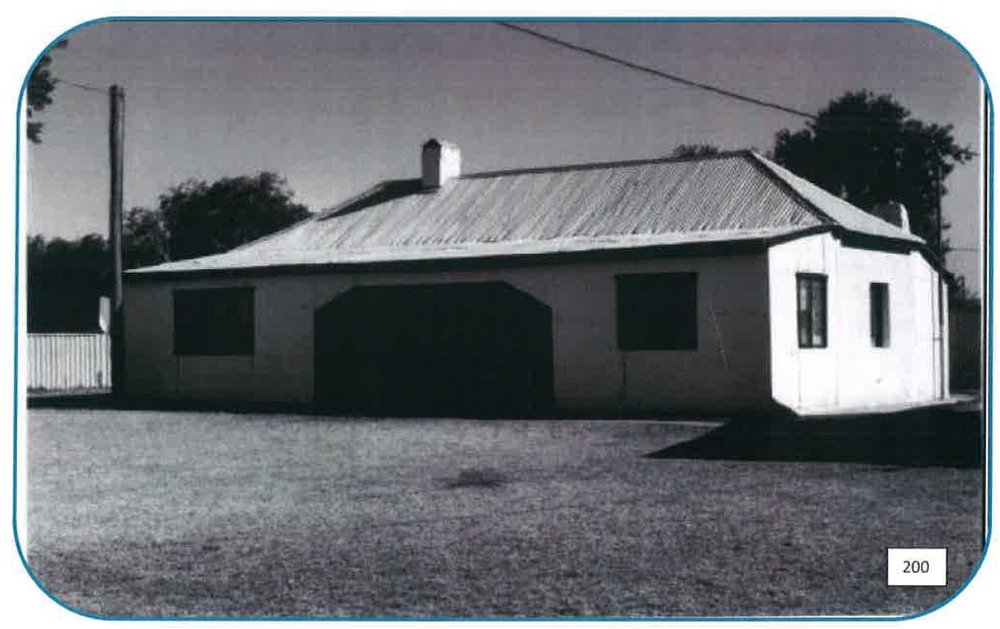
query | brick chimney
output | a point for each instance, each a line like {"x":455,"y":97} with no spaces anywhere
{"x":440,"y":162}
{"x":893,"y":212}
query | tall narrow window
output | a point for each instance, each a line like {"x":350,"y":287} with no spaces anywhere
{"x":812,"y":309}
{"x":879,"y":300}
{"x":657,"y":311}
{"x":213,"y":322}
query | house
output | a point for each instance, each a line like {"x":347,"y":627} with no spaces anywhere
{"x":713,"y":283}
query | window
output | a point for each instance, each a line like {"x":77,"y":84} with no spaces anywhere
{"x":213,"y":322}
{"x":879,"y":299}
{"x":657,"y":311}
{"x":812,"y":309}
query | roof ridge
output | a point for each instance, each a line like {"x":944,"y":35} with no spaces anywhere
{"x":605,"y":164}
{"x":789,"y":180}
{"x":367,"y":192}
{"x":766,"y":166}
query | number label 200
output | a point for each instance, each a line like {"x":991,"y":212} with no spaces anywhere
{"x":917,"y":566}
{"x":914,"y":566}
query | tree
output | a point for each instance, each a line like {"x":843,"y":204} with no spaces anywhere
{"x":201,"y":218}
{"x":694,"y":150}
{"x":144,"y":238}
{"x":66,"y":279}
{"x":41,"y":84}
{"x":867,"y":149}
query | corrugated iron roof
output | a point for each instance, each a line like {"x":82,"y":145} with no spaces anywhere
{"x":618,"y":205}
{"x":836,"y":209}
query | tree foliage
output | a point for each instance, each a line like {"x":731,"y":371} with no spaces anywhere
{"x":144,"y":238}
{"x":65,"y":280}
{"x":41,"y":84}
{"x":200,"y":218}
{"x":867,"y":149}
{"x":67,"y":277}
{"x":694,"y":150}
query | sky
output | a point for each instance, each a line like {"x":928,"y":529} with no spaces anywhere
{"x":335,"y":107}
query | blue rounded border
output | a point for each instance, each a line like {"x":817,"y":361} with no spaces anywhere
{"x":986,"y":287}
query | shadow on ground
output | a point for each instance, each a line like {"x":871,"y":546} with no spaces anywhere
{"x":949,"y":436}
{"x":104,"y":400}
{"x":88,"y":399}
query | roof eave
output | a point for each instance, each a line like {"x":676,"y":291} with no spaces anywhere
{"x":688,"y":249}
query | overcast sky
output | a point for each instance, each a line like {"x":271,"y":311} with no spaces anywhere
{"x":336,"y":107}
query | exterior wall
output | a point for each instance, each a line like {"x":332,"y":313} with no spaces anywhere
{"x":966,"y":346}
{"x":728,"y":370}
{"x":850,"y":372}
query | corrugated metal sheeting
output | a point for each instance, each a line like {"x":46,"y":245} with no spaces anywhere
{"x":621,"y":205}
{"x":59,"y":362}
{"x":836,"y":209}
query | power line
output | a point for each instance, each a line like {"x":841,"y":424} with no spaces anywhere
{"x":82,"y":86}
{"x":663,"y":75}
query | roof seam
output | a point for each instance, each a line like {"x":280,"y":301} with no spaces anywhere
{"x":607,"y":164}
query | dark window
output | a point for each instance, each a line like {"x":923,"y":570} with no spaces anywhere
{"x":213,"y":322}
{"x":879,"y":299}
{"x":812,"y":309}
{"x":657,"y":311}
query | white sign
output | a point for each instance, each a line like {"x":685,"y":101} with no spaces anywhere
{"x":104,"y":314}
{"x":918,"y":566}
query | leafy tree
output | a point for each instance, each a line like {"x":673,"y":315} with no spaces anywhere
{"x":144,"y":238}
{"x":66,"y":278}
{"x":65,"y":281}
{"x":201,"y":218}
{"x":867,"y":149}
{"x":41,"y":84}
{"x":694,"y":150}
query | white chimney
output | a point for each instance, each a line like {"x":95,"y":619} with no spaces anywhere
{"x":440,"y":162}
{"x":893,"y":212}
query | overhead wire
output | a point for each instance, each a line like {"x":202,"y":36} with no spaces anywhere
{"x":658,"y":73}
{"x":82,"y":86}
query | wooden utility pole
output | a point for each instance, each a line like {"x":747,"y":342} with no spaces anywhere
{"x":943,"y":348}
{"x":116,"y":148}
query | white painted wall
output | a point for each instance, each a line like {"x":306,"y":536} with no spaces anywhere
{"x":728,"y":370}
{"x":850,"y":372}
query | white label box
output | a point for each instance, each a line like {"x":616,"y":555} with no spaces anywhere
{"x":918,"y":566}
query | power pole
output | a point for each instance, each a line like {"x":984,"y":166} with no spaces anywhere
{"x":943,"y":349}
{"x":116,"y":148}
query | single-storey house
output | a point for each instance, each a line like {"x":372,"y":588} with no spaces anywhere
{"x":715,"y":283}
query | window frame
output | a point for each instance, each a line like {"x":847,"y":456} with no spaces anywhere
{"x":234,"y":325}
{"x":879,"y":315}
{"x":806,"y":317}
{"x":639,"y":307}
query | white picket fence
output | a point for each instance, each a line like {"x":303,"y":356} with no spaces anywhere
{"x":62,"y":362}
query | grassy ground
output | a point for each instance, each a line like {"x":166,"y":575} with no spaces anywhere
{"x":184,"y":514}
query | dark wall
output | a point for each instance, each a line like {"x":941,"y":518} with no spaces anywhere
{"x":965,"y":345}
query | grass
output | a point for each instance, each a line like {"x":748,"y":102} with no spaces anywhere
{"x":186,"y":514}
